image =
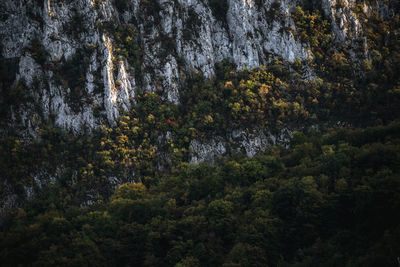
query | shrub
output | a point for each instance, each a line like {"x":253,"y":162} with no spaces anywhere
{"x":219,"y":9}
{"x":39,"y":54}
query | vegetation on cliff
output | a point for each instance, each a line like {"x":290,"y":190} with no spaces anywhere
{"x":329,"y":197}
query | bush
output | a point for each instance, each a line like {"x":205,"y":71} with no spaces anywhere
{"x":39,"y":54}
{"x":219,"y":9}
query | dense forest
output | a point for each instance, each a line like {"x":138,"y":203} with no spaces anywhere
{"x":328,"y":200}
{"x":328,"y":196}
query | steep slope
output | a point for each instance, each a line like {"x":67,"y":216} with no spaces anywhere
{"x":98,"y":93}
{"x":85,"y":59}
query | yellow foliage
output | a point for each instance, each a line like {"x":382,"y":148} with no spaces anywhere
{"x":150,"y":118}
{"x":264,"y":90}
{"x":228,"y":85}
{"x":209,"y":119}
{"x":236,"y":107}
{"x":130,"y":191}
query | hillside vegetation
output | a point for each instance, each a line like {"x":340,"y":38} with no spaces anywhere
{"x":328,"y":196}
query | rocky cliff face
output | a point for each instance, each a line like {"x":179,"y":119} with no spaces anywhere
{"x":83,"y":61}
{"x":173,"y":38}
